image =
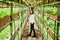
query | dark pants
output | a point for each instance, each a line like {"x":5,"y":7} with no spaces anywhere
{"x":32,"y":29}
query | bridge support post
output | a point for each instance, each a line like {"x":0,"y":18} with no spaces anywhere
{"x":58,"y":18}
{"x":58,"y":24}
{"x":11,"y":21}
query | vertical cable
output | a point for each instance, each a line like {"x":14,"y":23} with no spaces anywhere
{"x":58,"y":24}
{"x":47,"y":21}
{"x":14,"y":26}
{"x":55,"y":25}
{"x":19,"y":19}
{"x":43,"y":25}
{"x":47,"y":25}
{"x":58,"y":18}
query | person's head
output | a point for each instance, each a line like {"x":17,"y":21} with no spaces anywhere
{"x":32,"y":11}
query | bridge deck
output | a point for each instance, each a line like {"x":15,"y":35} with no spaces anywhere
{"x":27,"y":30}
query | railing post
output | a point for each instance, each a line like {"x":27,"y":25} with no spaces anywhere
{"x":55,"y":27}
{"x":48,"y":21}
{"x":11,"y":21}
{"x":58,"y":24}
{"x":19,"y":19}
{"x":47,"y":25}
{"x":43,"y":25}
{"x":58,"y":18}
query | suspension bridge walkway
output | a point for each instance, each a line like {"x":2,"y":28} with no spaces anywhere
{"x":26,"y":32}
{"x":14,"y":23}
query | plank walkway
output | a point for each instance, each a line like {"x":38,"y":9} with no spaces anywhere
{"x":27,"y":30}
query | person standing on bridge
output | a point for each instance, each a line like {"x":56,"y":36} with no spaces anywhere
{"x":32,"y":21}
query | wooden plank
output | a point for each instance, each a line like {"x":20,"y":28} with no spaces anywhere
{"x":26,"y":32}
{"x":50,"y":15}
{"x":6,"y":20}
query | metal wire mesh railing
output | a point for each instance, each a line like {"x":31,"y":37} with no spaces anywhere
{"x":49,"y":21}
{"x":12,"y":26}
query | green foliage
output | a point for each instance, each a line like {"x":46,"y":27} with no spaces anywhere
{"x":6,"y":12}
{"x":5,"y":33}
{"x":44,"y":30}
{"x":51,"y":23}
{"x":50,"y":10}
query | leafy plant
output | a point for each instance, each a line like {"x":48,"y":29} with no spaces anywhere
{"x":7,"y":11}
{"x":49,"y":10}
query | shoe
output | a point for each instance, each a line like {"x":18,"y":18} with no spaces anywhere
{"x":33,"y":36}
{"x":28,"y":35}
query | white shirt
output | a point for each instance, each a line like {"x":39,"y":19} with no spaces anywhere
{"x":31,"y":18}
